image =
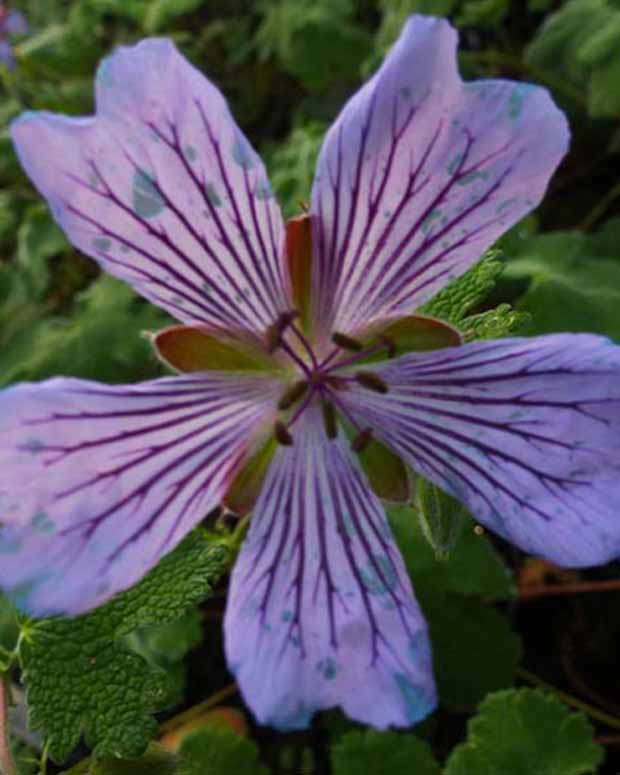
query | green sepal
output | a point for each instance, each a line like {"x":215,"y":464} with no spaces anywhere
{"x":247,"y":484}
{"x":195,"y":348}
{"x":440,"y":516}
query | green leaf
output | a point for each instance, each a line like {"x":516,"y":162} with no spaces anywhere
{"x":473,"y":567}
{"x":475,"y":650}
{"x":80,"y":678}
{"x":440,"y":517}
{"x":38,"y":239}
{"x":382,"y":753}
{"x":572,"y":281}
{"x":160,"y":13}
{"x":526,"y":731}
{"x":579,"y":42}
{"x":217,"y":751}
{"x":465,"y":293}
{"x":102,"y":340}
{"x":156,"y":761}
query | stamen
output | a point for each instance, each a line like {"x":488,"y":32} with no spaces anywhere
{"x":273,"y":334}
{"x":371,"y":381}
{"x":361,"y":441}
{"x":347,"y":343}
{"x":273,"y":337}
{"x":282,"y":435}
{"x":292,"y":395}
{"x":329,"y":420}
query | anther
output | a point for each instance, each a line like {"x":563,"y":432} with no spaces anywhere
{"x":361,"y":441}
{"x":273,"y":333}
{"x":282,"y":435}
{"x":371,"y":381}
{"x":347,"y":343}
{"x":329,"y":420}
{"x":292,"y":395}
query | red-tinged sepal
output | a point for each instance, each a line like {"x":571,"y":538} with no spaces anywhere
{"x":195,"y":348}
{"x":299,"y":261}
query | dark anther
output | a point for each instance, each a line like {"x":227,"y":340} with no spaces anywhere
{"x":361,"y":441}
{"x":329,"y":420}
{"x":292,"y":395}
{"x":389,"y":345}
{"x":282,"y":435}
{"x":371,"y":381}
{"x":347,"y":343}
{"x":341,"y":385}
{"x":273,"y":334}
{"x":273,"y":337}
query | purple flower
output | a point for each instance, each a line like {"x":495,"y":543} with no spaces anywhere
{"x":11,"y":23}
{"x":279,"y":412}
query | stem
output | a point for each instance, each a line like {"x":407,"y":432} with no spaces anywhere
{"x":595,"y":713}
{"x":7,"y":763}
{"x":197,"y":710}
{"x":531,"y":591}
{"x":600,"y":208}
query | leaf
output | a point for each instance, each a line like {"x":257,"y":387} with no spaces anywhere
{"x":160,"y":13}
{"x":80,"y":678}
{"x":572,"y":281}
{"x":525,"y":731}
{"x":214,"y":750}
{"x":579,"y":42}
{"x":473,"y":567}
{"x":475,"y":650}
{"x":102,"y":340}
{"x":38,"y":239}
{"x":465,"y":293}
{"x":382,"y":753}
{"x":440,"y":517}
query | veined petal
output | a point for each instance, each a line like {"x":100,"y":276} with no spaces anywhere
{"x":97,"y":483}
{"x":163,"y":190}
{"x":525,"y":432}
{"x":321,"y":611}
{"x":419,"y":174}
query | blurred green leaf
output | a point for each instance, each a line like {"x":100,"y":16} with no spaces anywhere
{"x":580,"y":41}
{"x":160,"y":13}
{"x":473,"y":567}
{"x":382,"y":753}
{"x":572,"y":281}
{"x":475,"y":650}
{"x":214,"y":750}
{"x":526,"y":731}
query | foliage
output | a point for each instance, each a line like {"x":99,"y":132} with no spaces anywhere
{"x":382,"y":753}
{"x":79,"y":677}
{"x":287,"y":67}
{"x":524,"y":730}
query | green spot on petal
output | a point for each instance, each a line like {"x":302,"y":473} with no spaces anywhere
{"x":147,"y":201}
{"x":212,"y":195}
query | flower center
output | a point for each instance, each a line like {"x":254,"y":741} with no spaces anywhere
{"x":323,"y":379}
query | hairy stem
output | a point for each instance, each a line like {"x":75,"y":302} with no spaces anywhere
{"x":7,"y":763}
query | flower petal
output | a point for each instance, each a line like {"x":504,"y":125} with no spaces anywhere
{"x":163,"y":190}
{"x":419,"y":174}
{"x":97,"y":483}
{"x":321,"y":611}
{"x":16,"y":23}
{"x":525,"y":432}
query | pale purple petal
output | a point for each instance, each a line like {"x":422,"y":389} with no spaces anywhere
{"x":526,"y":432}
{"x":6,"y":54}
{"x":163,"y":190}
{"x":97,"y":483}
{"x":321,"y":611}
{"x":419,"y":175}
{"x":16,"y":23}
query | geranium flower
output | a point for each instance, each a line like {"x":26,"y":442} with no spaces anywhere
{"x":11,"y":23}
{"x":307,"y":373}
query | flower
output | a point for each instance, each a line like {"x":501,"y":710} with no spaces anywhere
{"x":307,"y":373}
{"x":11,"y":23}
